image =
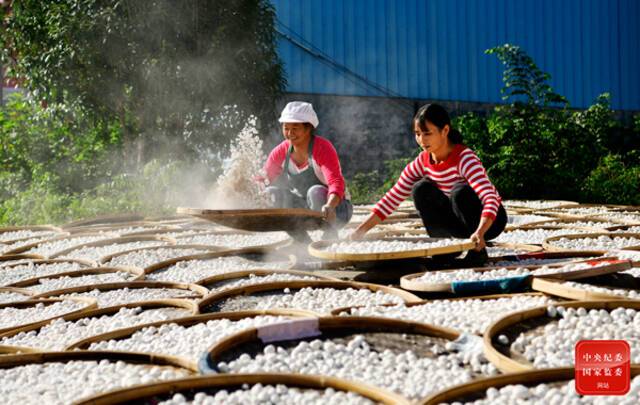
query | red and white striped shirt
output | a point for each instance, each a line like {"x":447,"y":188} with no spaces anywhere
{"x":461,"y":166}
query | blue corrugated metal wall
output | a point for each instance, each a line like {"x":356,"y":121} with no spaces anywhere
{"x":434,"y":49}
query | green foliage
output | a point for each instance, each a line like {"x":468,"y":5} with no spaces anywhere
{"x":614,"y":182}
{"x":164,"y":69}
{"x":367,"y":188}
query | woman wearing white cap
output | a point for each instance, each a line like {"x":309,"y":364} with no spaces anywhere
{"x":312,"y":174}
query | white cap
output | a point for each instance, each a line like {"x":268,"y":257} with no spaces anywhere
{"x":299,"y":111}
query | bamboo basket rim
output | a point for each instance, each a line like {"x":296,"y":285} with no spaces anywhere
{"x":259,"y":272}
{"x":379,"y":395}
{"x":109,"y":257}
{"x":17,"y":290}
{"x":13,"y":350}
{"x":123,"y":333}
{"x":560,"y":254}
{"x":93,"y":355}
{"x":357,"y":324}
{"x":625,"y":221}
{"x":202,"y":256}
{"x":562,"y":203}
{"x":89,"y":305}
{"x":315,"y":249}
{"x":265,"y":246}
{"x":610,"y":265}
{"x":122,"y":226}
{"x":52,"y":228}
{"x":169,"y":302}
{"x":198,"y":289}
{"x":211,"y":298}
{"x":507,"y":364}
{"x":136,"y":272}
{"x":114,"y":241}
{"x":559,"y":289}
{"x":104,"y":219}
{"x":571,"y":220}
{"x":527,"y":378}
{"x":548,"y":242}
{"x":19,"y":256}
{"x":84,"y":262}
{"x":340,"y":311}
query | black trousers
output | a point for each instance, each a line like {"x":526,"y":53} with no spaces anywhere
{"x":455,"y":216}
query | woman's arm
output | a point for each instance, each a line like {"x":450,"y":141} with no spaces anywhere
{"x":371,"y":221}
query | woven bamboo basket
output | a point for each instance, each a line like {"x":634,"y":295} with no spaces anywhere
{"x":150,"y":393}
{"x":552,"y":204}
{"x":560,"y":289}
{"x":198,"y":290}
{"x":8,"y":259}
{"x":266,"y":247}
{"x":135,"y":272}
{"x":505,"y":362}
{"x":124,"y":229}
{"x":218,"y":297}
{"x":27,"y":248}
{"x":317,"y":249}
{"x":474,"y":390}
{"x":15,"y":290}
{"x":192,"y":365}
{"x":573,"y":223}
{"x":8,"y":229}
{"x":163,"y":240}
{"x":88,"y":303}
{"x":5,"y":350}
{"x":210,"y":282}
{"x":600,"y":267}
{"x":569,"y":256}
{"x":548,"y":244}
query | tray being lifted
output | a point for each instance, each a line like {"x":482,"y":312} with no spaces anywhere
{"x":261,"y":220}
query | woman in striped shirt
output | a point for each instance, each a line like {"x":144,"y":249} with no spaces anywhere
{"x":449,"y":185}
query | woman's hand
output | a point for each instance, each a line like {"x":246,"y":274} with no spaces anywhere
{"x":371,"y":221}
{"x":329,"y":213}
{"x":478,"y":238}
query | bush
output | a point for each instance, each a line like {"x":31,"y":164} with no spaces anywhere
{"x":614,"y":182}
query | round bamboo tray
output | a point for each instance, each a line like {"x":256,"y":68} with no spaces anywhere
{"x":210,"y":282}
{"x":198,"y":290}
{"x":570,"y":256}
{"x":9,"y":267}
{"x":560,"y":289}
{"x":217,"y":297}
{"x":600,"y":267}
{"x":125,"y":333}
{"x":144,"y":394}
{"x":549,"y":246}
{"x":104,"y":220}
{"x":89,"y":304}
{"x":514,"y":246}
{"x":474,"y":390}
{"x":5,"y":350}
{"x":78,"y":273}
{"x":261,"y":220}
{"x":263,"y":246}
{"x":8,"y":229}
{"x":205,"y":249}
{"x":6,"y":258}
{"x":514,"y":204}
{"x":566,"y":223}
{"x":317,"y":249}
{"x":122,"y":229}
{"x":507,"y":325}
{"x":115,"y":241}
{"x":30,"y":246}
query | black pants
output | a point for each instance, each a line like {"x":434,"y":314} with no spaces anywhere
{"x":455,"y":216}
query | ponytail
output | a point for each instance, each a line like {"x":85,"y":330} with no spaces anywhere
{"x":438,"y":116}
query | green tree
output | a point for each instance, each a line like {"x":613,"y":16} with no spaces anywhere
{"x":184,"y":74}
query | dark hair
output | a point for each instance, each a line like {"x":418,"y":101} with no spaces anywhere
{"x":438,"y":116}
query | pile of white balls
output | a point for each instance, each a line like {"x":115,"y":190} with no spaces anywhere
{"x":270,"y":394}
{"x":533,"y":204}
{"x":59,"y":334}
{"x":47,"y":249}
{"x":518,"y":220}
{"x":322,"y":300}
{"x":235,"y":240}
{"x":387,"y":246}
{"x":602,"y":242}
{"x":59,"y":283}
{"x":97,"y":252}
{"x":126,"y":295}
{"x":9,"y":296}
{"x":406,"y":373}
{"x":190,"y":271}
{"x":146,"y":257}
{"x":11,"y":317}
{"x":11,"y":236}
{"x":555,"y":346}
{"x":470,"y":315}
{"x":253,"y":279}
{"x":621,"y":292}
{"x":65,"y":383}
{"x":184,"y":341}
{"x":553,"y":394}
{"x":534,"y":235}
{"x":25,"y":271}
